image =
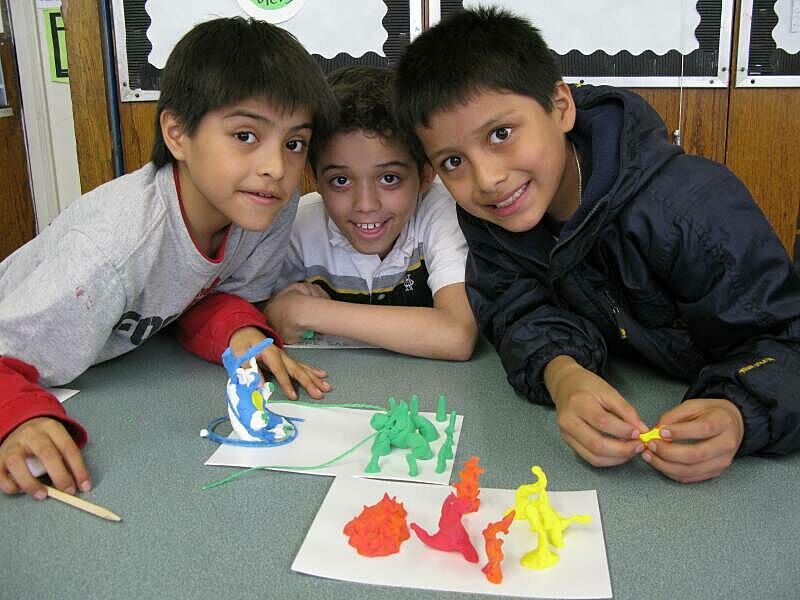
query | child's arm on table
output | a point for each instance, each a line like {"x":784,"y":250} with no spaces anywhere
{"x":594,"y":419}
{"x":223,"y":320}
{"x":33,"y":423}
{"x":445,"y":331}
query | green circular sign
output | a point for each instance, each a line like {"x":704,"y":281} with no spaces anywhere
{"x":270,"y":4}
{"x":274,"y":11}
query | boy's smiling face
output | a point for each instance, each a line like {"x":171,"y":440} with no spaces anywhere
{"x":370,"y":185}
{"x":241,"y":164}
{"x":504,"y":158}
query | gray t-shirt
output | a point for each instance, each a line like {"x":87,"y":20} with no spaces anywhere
{"x":117,"y":266}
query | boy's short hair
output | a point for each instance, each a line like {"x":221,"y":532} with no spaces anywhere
{"x":486,"y":49}
{"x":364,"y":95}
{"x":223,"y":61}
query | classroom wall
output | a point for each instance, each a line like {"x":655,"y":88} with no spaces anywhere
{"x":753,"y":131}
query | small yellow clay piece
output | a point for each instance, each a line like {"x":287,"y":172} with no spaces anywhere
{"x":653,"y":434}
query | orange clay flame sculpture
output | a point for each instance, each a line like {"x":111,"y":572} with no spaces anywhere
{"x":494,"y":548}
{"x":468,"y":486}
{"x":379,"y":529}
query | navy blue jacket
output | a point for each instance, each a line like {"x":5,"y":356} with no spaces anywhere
{"x":667,"y":258}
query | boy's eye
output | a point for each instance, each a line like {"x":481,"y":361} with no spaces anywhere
{"x":339,"y":181}
{"x":389,"y":178}
{"x":296,"y":145}
{"x":501,"y":134}
{"x":248,"y":137}
{"x":451,"y":162}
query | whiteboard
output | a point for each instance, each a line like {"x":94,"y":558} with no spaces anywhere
{"x":632,"y":43}
{"x":769,"y":44}
{"x":337,"y":33}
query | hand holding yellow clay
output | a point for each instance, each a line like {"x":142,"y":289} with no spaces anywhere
{"x":713,"y":425}
{"x":594,"y":419}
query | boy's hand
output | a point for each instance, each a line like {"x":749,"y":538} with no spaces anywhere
{"x":282,"y":366}
{"x":714,"y":425}
{"x":285,"y":308}
{"x":48,"y":440}
{"x":593,"y":418}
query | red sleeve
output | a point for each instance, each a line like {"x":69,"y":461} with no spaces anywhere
{"x":22,"y":398}
{"x":206,"y":328}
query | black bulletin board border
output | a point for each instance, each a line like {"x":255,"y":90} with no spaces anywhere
{"x":143,"y":76}
{"x":765,"y":58}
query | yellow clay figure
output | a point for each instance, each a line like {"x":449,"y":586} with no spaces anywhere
{"x":653,"y":434}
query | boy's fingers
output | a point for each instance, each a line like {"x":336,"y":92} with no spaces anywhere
{"x":53,"y":463}
{"x":7,"y":484}
{"x":74,"y":461}
{"x":310,"y":384}
{"x":625,"y":411}
{"x":275,"y":365}
{"x":684,"y":473}
{"x":18,"y":471}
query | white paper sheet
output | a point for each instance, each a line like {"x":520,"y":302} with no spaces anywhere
{"x":323,"y":27}
{"x":632,"y":25}
{"x":582,"y":571}
{"x":34,"y":466}
{"x":326,"y":433}
{"x":787,"y":30}
{"x":324,"y":341}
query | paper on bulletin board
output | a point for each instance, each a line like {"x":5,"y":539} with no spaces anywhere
{"x":581,"y":572}
{"x":632,"y":25}
{"x":323,"y":27}
{"x":328,"y":432}
{"x":56,"y":44}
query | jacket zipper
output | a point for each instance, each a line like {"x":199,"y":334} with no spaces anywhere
{"x":616,"y":311}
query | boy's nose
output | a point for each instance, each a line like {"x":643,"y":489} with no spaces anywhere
{"x":366,"y":198}
{"x":271,"y":162}
{"x":488,"y":174}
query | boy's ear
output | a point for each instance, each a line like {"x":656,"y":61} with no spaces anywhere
{"x":563,"y":106}
{"x":173,"y":133}
{"x":426,"y":176}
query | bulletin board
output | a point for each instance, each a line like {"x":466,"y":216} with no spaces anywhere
{"x":769,"y":44}
{"x":658,"y":43}
{"x":374,"y":33}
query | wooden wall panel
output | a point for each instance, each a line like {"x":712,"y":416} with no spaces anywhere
{"x":137,"y":120}
{"x":704,"y":119}
{"x":88,"y":90}
{"x":763,"y":150}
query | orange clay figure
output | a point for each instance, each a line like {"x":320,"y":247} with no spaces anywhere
{"x":548,"y":524}
{"x":494,"y":548}
{"x":467,"y":486}
{"x":452,"y":536}
{"x":379,"y":529}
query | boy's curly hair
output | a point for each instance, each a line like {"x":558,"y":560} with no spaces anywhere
{"x":364,"y":95}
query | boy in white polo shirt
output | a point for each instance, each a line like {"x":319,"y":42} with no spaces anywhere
{"x":376,"y":255}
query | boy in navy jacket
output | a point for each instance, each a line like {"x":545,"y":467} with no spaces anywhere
{"x":588,"y":231}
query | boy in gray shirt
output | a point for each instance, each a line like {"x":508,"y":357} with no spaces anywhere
{"x":211,"y":212}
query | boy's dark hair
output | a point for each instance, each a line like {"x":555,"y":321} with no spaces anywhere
{"x":365,"y":101}
{"x":486,"y":49}
{"x":227,"y":60}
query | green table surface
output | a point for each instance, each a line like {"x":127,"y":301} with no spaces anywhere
{"x":733,"y":537}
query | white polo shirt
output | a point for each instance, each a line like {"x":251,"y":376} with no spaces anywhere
{"x":429,"y":254}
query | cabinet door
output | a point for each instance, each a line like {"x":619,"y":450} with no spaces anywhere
{"x":17,"y":222}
